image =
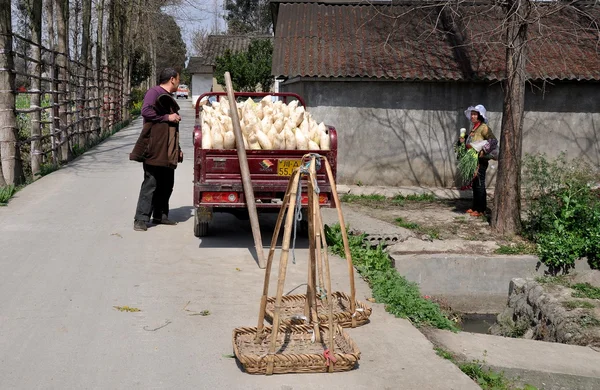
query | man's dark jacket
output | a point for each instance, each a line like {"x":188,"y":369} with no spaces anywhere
{"x":158,"y":143}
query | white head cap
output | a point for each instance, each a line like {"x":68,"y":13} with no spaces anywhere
{"x":480,"y":109}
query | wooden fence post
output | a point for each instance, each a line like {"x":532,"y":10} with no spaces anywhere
{"x":12,"y":168}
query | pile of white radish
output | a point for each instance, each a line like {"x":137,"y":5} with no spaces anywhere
{"x":265,"y":125}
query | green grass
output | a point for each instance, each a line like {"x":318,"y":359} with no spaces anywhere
{"x":517,"y":249}
{"x":407,"y":225}
{"x":488,"y":379}
{"x":349,"y":198}
{"x":588,"y":321}
{"x":484,"y":377}
{"x":401,"y":199}
{"x":397,"y":200}
{"x":431,"y":232}
{"x":577,"y":305}
{"x":562,"y":280}
{"x":585,"y":290}
{"x":443,"y":353}
{"x":6,"y":193}
{"x":401,"y":297}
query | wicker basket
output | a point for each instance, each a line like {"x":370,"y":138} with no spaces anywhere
{"x":292,"y":310}
{"x":295,"y":351}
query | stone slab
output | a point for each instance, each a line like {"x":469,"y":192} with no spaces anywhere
{"x":548,"y":366}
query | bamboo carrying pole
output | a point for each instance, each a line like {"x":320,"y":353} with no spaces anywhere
{"x":245,"y":171}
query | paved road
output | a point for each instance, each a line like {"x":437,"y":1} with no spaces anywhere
{"x":69,"y":255}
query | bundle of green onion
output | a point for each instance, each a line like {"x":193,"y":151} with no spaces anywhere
{"x":467,"y":165}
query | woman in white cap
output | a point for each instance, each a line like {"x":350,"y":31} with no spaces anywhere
{"x":479,"y":132}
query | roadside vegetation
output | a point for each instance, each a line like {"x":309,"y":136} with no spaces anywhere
{"x":401,"y":297}
{"x":563,"y":217}
{"x":486,"y":378}
{"x":24,"y":125}
{"x":561,"y":223}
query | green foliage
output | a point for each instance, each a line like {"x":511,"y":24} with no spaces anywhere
{"x":401,"y":297}
{"x":467,"y":165}
{"x":400,"y":199}
{"x":349,"y":198}
{"x":588,"y":321}
{"x":141,"y":68}
{"x":445,"y":354}
{"x":578,"y":305}
{"x":518,"y":249}
{"x":431,"y":232}
{"x":48,"y":168}
{"x":405,"y":224}
{"x":488,"y":379}
{"x":170,"y":48}
{"x":6,"y":193}
{"x":564,"y":211}
{"x":248,"y":17}
{"x":249,"y":70}
{"x":586,"y":290}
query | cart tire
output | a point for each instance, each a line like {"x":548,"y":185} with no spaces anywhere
{"x":200,"y":228}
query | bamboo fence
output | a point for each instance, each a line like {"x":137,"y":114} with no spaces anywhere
{"x":74,"y":111}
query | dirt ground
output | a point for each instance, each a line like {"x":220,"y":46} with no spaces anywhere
{"x":434,"y":220}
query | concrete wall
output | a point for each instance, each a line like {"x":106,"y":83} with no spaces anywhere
{"x":401,"y":133}
{"x":201,"y":83}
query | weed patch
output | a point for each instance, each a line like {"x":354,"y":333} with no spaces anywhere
{"x":577,"y":305}
{"x":488,"y":379}
{"x":401,"y":297}
{"x":431,"y":232}
{"x":516,"y":249}
{"x":6,"y":193}
{"x":585,"y":290}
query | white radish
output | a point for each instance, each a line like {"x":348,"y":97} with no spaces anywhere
{"x":217,"y":139}
{"x":290,"y":139}
{"x":264,"y":141}
{"x":325,"y":143}
{"x":206,"y":137}
{"x":253,"y":142}
{"x":229,"y":140}
{"x":301,"y":141}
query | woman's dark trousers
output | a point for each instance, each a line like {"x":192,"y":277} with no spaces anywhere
{"x":155,"y":193}
{"x":479,"y":194}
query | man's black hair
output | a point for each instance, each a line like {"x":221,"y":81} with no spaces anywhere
{"x":166,"y":75}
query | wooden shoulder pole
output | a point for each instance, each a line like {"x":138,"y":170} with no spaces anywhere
{"x":245,"y":171}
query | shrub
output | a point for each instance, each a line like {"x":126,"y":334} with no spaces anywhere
{"x":564,"y":211}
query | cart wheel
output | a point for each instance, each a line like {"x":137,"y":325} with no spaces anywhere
{"x":200,"y":228}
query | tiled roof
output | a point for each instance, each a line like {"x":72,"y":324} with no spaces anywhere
{"x":424,"y":42}
{"x":216,"y":45}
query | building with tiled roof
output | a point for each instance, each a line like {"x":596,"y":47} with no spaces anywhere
{"x":201,"y":68}
{"x":395,"y":77}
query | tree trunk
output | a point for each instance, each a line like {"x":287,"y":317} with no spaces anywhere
{"x":54,"y":121}
{"x":85,"y":60}
{"x":506,"y":218}
{"x":99,"y":78}
{"x":12,"y":168}
{"x":62,"y":21}
{"x":35,"y":18}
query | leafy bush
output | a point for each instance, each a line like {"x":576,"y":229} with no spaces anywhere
{"x":6,"y":193}
{"x":564,"y":211}
{"x":401,"y":297}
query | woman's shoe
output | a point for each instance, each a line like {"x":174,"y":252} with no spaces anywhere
{"x":476,"y":214}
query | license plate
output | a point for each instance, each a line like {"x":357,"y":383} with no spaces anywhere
{"x":286,"y":167}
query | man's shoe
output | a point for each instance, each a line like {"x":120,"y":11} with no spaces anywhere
{"x":164,"y":221}
{"x":139,"y":226}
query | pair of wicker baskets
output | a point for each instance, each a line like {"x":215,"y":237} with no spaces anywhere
{"x":307,"y":332}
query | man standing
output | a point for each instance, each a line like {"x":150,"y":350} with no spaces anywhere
{"x":158,"y":149}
